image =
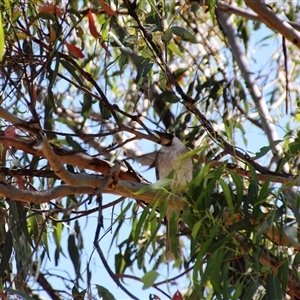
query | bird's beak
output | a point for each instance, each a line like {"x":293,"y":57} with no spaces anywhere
{"x":165,"y":137}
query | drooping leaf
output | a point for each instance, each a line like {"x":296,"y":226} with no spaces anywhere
{"x":72,"y":70}
{"x":177,"y":296}
{"x":173,"y":47}
{"x":167,"y":36}
{"x":6,"y":253}
{"x":74,"y":50}
{"x":167,"y":96}
{"x":74,"y":144}
{"x":105,"y":113}
{"x":184,"y":34}
{"x":86,"y":105}
{"x":92,"y":26}
{"x":273,"y":287}
{"x":78,"y":295}
{"x":104,"y":293}
{"x":2,"y":38}
{"x":149,"y":278}
{"x":228,"y":195}
{"x":106,"y":8}
{"x":7,"y":7}
{"x":74,"y":254}
{"x":22,"y":294}
{"x":264,"y":150}
{"x":52,"y":9}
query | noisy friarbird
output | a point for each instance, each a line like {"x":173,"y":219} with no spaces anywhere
{"x":170,"y":159}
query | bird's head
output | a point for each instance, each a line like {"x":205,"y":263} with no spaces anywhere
{"x":166,"y":138}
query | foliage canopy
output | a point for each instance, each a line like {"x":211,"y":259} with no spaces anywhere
{"x":83,"y":84}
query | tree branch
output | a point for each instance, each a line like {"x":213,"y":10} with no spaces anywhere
{"x":248,"y":15}
{"x":274,"y":22}
{"x":260,"y":102}
{"x":123,"y":188}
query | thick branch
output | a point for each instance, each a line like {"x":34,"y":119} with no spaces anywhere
{"x":123,"y":188}
{"x":270,"y":18}
{"x":242,"y":61}
{"x":79,"y":159}
{"x":248,"y":15}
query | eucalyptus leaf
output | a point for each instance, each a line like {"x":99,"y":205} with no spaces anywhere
{"x":184,"y":34}
{"x":149,"y":278}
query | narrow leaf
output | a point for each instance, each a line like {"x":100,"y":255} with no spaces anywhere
{"x":228,"y":195}
{"x":184,"y":34}
{"x":72,"y":71}
{"x":92,"y":26}
{"x":1,"y":38}
{"x":52,"y":9}
{"x":74,"y":50}
{"x":6,"y":253}
{"x":173,"y":47}
{"x":106,"y":8}
{"x":264,"y":150}
{"x":104,"y":293}
{"x":273,"y":287}
{"x":149,"y":278}
{"x":177,"y":296}
{"x":167,"y":36}
{"x":22,"y":294}
{"x":7,"y":7}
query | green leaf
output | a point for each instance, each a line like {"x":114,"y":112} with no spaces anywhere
{"x":273,"y":287}
{"x":194,"y":295}
{"x":52,"y":74}
{"x":196,"y":228}
{"x":86,"y":105}
{"x":6,"y":253}
{"x":265,"y":225}
{"x":251,"y":290}
{"x":159,"y":184}
{"x":57,"y":232}
{"x":33,"y":225}
{"x":204,"y":247}
{"x":19,"y":293}
{"x":76,"y":294}
{"x":22,"y":224}
{"x":149,"y":278}
{"x":239,"y":189}
{"x":173,"y":230}
{"x":50,"y":107}
{"x":74,"y":254}
{"x":7,"y":8}
{"x":283,"y":274}
{"x":292,"y":234}
{"x":72,"y":70}
{"x":167,"y":36}
{"x":141,"y":222}
{"x":74,"y":144}
{"x":104,"y":293}
{"x":173,"y":47}
{"x":228,"y":195}
{"x":45,"y":16}
{"x":2,"y":39}
{"x":184,"y":34}
{"x":167,"y":96}
{"x":105,"y":113}
{"x":120,"y":263}
{"x":264,"y":150}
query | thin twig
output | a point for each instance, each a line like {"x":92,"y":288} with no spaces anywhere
{"x":112,"y":177}
{"x":112,"y":274}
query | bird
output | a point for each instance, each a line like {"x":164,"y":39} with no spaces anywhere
{"x":169,"y":159}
